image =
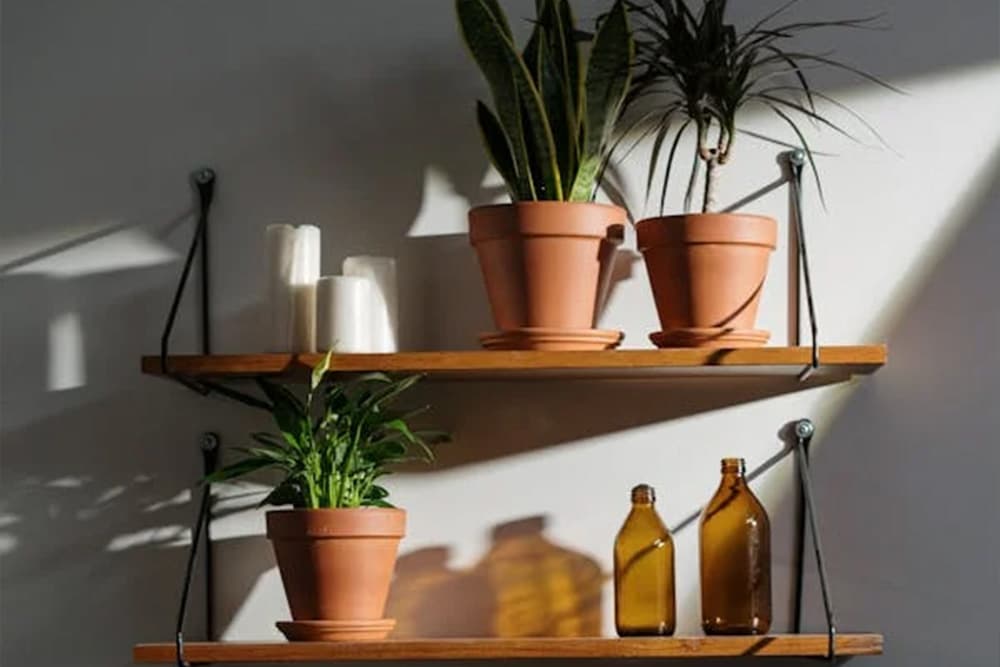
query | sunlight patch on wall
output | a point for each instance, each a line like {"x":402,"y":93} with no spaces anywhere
{"x":168,"y":535}
{"x":442,"y":210}
{"x":126,"y":249}
{"x":67,"y":361}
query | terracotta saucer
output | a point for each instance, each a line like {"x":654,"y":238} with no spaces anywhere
{"x":550,"y":339}
{"x":718,"y":337}
{"x":336,"y":631}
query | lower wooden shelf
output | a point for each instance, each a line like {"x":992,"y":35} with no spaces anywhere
{"x":513,"y":649}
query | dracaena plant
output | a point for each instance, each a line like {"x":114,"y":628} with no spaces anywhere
{"x":699,"y":73}
{"x":334,"y":446}
{"x":554,"y":111}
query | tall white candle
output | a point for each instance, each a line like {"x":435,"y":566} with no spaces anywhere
{"x":343,"y":314}
{"x":280,"y":241}
{"x":381,"y":271}
{"x":305,"y":274}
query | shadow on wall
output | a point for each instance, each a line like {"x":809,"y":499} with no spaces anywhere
{"x":524,"y":586}
{"x":907,"y":476}
{"x":551,"y":413}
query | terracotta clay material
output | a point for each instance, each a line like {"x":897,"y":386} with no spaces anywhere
{"x":336,"y":631}
{"x":552,"y":340}
{"x":707,"y":271}
{"x":546,"y":263}
{"x":336,"y":564}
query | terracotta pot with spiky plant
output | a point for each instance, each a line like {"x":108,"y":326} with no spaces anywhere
{"x":696,"y":73}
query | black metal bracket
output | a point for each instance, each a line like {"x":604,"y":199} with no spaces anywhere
{"x":803,"y":433}
{"x":796,"y":161}
{"x":209,"y":445}
{"x":204,"y":183}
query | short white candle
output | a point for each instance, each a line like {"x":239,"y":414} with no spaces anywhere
{"x":343,"y":314}
{"x":384,"y":314}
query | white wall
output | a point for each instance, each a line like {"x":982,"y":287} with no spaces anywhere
{"x":358,"y":116}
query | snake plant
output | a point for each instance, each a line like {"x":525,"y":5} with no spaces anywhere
{"x":549,"y":131}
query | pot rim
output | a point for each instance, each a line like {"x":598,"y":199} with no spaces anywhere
{"x":547,"y":203}
{"x":678,"y":216}
{"x":548,"y":219}
{"x":302,"y":523}
{"x":744,"y":229}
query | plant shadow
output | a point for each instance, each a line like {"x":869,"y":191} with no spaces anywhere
{"x":525,"y":585}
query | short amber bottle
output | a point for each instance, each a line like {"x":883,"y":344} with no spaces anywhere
{"x":644,"y":570}
{"x":735,"y":558}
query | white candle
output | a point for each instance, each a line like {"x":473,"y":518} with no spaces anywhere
{"x":381,"y":271}
{"x":305,"y":274}
{"x":343,"y":314}
{"x":280,"y":240}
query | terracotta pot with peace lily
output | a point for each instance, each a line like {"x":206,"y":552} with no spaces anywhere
{"x":336,"y":548}
{"x":696,"y":73}
{"x":546,"y":258}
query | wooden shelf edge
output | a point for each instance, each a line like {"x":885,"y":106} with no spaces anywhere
{"x":513,"y":649}
{"x":853,"y":359}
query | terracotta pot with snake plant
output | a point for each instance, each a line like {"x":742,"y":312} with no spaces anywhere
{"x":547,"y":256}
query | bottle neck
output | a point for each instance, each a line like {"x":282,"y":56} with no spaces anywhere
{"x":733,"y":472}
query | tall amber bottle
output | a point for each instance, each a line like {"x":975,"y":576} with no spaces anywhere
{"x":644,"y":570}
{"x":735,"y":558}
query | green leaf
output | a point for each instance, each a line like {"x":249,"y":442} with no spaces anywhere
{"x":320,"y":370}
{"x":554,"y":101}
{"x":537,"y":131}
{"x":497,"y":147}
{"x":805,"y":147}
{"x":573,"y":76}
{"x":487,"y":37}
{"x":286,"y":493}
{"x":606,"y":83}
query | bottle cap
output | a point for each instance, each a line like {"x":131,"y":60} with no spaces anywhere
{"x":643,"y":493}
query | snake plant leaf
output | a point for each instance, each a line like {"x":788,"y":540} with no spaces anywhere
{"x":607,"y":80}
{"x":487,"y":38}
{"x":497,"y":147}
{"x":574,"y":76}
{"x":538,"y":133}
{"x":493,"y":6}
{"x":551,"y":87}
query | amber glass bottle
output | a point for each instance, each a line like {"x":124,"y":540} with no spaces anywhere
{"x":735,"y":558}
{"x":644,"y":570}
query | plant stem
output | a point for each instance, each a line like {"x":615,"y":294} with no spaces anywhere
{"x":708,"y":203}
{"x":689,"y":193}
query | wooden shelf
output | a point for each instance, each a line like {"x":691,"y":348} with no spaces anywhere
{"x":838,"y":361}
{"x":513,"y":649}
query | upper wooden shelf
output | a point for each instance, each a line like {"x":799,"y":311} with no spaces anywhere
{"x":513,"y":649}
{"x":836,"y":361}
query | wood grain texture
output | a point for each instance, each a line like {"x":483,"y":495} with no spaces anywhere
{"x":480,"y":364}
{"x":513,"y":649}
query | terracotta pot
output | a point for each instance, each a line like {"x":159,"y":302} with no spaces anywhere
{"x":707,"y":270}
{"x":336,"y":564}
{"x":546,"y":263}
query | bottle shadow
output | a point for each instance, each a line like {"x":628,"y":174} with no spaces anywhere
{"x":525,"y":585}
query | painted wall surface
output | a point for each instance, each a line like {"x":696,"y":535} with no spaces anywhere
{"x":358,"y":116}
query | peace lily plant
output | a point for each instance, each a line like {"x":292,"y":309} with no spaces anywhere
{"x":546,"y":255}
{"x":336,"y":549}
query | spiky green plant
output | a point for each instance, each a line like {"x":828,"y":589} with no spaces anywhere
{"x":335,"y":445}
{"x":699,"y":72}
{"x":553,"y":116}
